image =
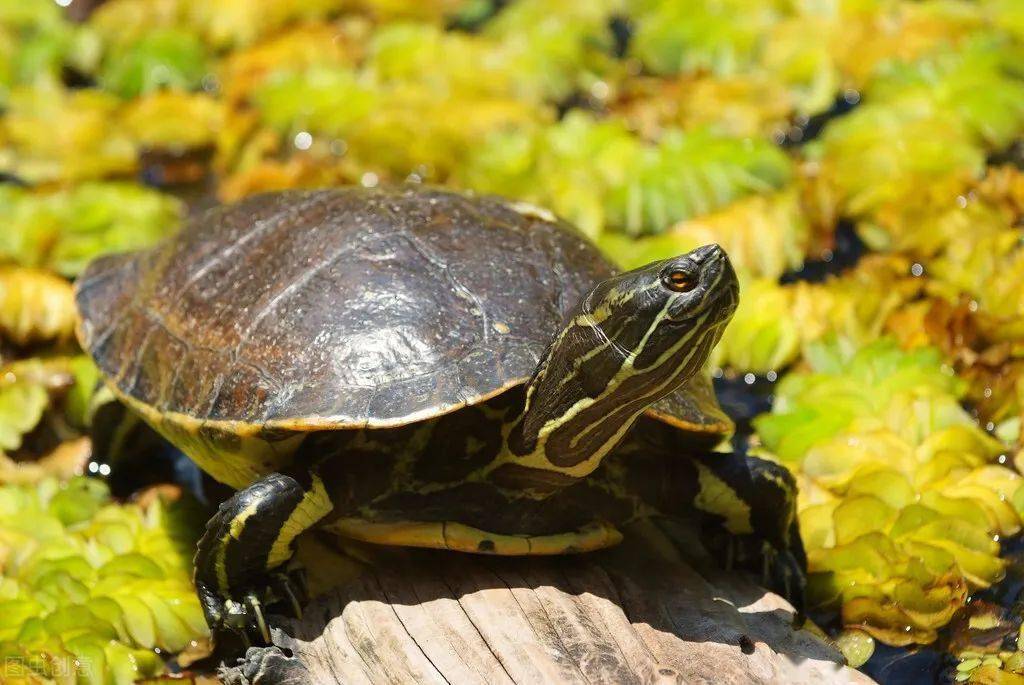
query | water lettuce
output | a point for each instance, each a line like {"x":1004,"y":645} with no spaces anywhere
{"x":602,"y":177}
{"x":91,"y":587}
{"x":36,"y":307}
{"x":903,"y":497}
{"x":62,"y":230}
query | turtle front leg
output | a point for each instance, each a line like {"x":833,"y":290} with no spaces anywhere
{"x":247,"y":541}
{"x":754,"y":501}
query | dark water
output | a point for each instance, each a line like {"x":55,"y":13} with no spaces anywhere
{"x":846,"y":251}
{"x":806,"y":129}
{"x":901,"y":666}
{"x":1014,"y":154}
{"x":744,"y":397}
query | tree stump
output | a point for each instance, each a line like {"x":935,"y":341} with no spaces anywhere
{"x":639,"y":613}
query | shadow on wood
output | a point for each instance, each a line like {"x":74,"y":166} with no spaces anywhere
{"x":639,"y":613}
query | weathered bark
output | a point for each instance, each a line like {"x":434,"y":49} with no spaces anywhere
{"x":636,"y":614}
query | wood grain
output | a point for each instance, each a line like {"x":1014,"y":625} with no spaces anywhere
{"x":640,"y":613}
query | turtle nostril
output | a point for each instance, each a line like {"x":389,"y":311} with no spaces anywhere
{"x":708,"y":254}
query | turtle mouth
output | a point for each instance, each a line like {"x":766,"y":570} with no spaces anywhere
{"x":726,"y":300}
{"x":723,"y":288}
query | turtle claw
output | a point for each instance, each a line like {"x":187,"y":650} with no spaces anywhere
{"x":243,"y":622}
{"x":289,"y":589}
{"x":236,"y":624}
{"x":782,"y":569}
{"x":784,"y":574}
{"x":255,"y":609}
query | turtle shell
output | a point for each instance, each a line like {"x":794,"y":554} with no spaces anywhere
{"x":344,"y":308}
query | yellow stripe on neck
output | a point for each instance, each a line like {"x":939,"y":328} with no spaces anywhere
{"x":538,"y":457}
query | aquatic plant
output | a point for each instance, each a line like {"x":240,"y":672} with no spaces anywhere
{"x":37,"y":42}
{"x":775,"y":325}
{"x":903,"y":497}
{"x":602,"y":177}
{"x":765,"y":236}
{"x":163,"y":58}
{"x":36,"y":307}
{"x":94,"y":590}
{"x":57,"y":135}
{"x":64,"y":229}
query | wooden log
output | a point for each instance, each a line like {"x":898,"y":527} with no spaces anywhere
{"x":640,"y":613}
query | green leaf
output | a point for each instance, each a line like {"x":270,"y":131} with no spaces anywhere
{"x":163,"y":58}
{"x":602,"y":177}
{"x":132,"y":564}
{"x":172,"y":633}
{"x":79,"y":397}
{"x":674,"y":36}
{"x":79,"y":500}
{"x":14,"y":613}
{"x":21,"y":407}
{"x":138,"y":620}
{"x":78,"y":620}
{"x":65,"y":229}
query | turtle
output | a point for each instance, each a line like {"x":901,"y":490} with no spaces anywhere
{"x":421,"y":367}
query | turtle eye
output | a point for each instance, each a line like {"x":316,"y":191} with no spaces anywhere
{"x":679,"y":281}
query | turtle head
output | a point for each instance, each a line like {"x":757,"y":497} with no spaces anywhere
{"x":665,"y":315}
{"x":631,"y":341}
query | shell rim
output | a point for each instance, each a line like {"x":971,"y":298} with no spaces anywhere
{"x":321,"y":423}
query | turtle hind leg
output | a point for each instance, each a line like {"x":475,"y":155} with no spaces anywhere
{"x":246,"y":542}
{"x":459,"y":537}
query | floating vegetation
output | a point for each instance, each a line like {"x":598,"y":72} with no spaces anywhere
{"x":557,"y":50}
{"x":602,"y":177}
{"x":160,"y":59}
{"x":94,"y":590}
{"x":45,"y":397}
{"x":51,"y":135}
{"x":174,"y":120}
{"x":65,"y":229}
{"x":921,"y":137}
{"x":903,"y":497}
{"x":37,"y":43}
{"x":421,"y":100}
{"x":36,"y":307}
{"x":765,"y":236}
{"x":776,"y":325}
